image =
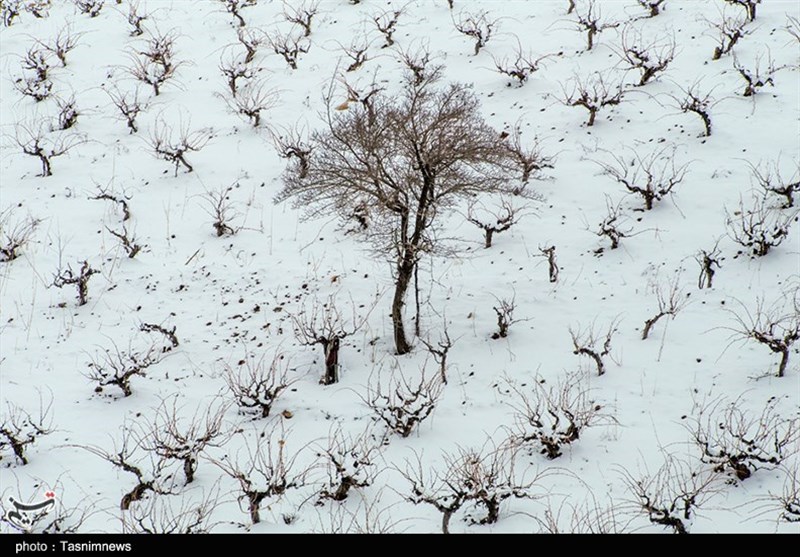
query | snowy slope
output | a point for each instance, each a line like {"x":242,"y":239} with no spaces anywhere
{"x":230,"y":298}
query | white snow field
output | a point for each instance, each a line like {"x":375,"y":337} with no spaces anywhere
{"x":690,"y":429}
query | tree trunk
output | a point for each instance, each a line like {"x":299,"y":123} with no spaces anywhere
{"x":784,"y":362}
{"x":592,"y":115}
{"x":489,"y":234}
{"x":405,"y":271}
{"x":331,"y":347}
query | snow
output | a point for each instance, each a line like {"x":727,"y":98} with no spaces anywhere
{"x":223,"y":294}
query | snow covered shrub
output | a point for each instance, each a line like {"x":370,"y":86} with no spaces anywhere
{"x":776,"y":327}
{"x":67,"y":113}
{"x":256,"y":383}
{"x":103,"y":194}
{"x":19,"y":429}
{"x":386,"y":24}
{"x":505,"y":316}
{"x":294,"y":148}
{"x":266,"y":471}
{"x":482,"y":477}
{"x":611,"y":226}
{"x":520,"y":67}
{"x":402,"y":404}
{"x":757,"y":76}
{"x":114,"y":367}
{"x":749,"y":5}
{"x":127,"y":241}
{"x":37,"y":139}
{"x":670,"y":299}
{"x":301,"y":15}
{"x":350,"y":462}
{"x":357,"y":53}
{"x":64,"y":277}
{"x":15,"y":234}
{"x":136,"y":19}
{"x":768,"y":177}
{"x":593,"y":93}
{"x":477,"y":26}
{"x":156,"y":65}
{"x":234,"y":68}
{"x":62,"y":44}
{"x":151,"y":472}
{"x":289,"y":47}
{"x":697,"y":103}
{"x":759,"y":227}
{"x":235,"y":7}
{"x":552,"y":266}
{"x":738,"y":442}
{"x":671,"y":496}
{"x":650,"y":58}
{"x":322,"y":323}
{"x":440,"y":352}
{"x":653,"y":7}
{"x":92,"y":8}
{"x":789,"y":499}
{"x":252,"y":99}
{"x":9,"y":11}
{"x":183,"y":440}
{"x":587,"y":341}
{"x":494,"y":221}
{"x":219,"y":206}
{"x":250,"y":38}
{"x":35,"y":81}
{"x":652,"y":176}
{"x":162,"y":514}
{"x":591,"y":22}
{"x":128,"y":105}
{"x":729,"y":32}
{"x":168,"y":334}
{"x":551,"y":417}
{"x":172,"y":146}
{"x":707,"y":261}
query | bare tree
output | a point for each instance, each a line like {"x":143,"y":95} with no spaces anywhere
{"x":386,"y":157}
{"x":529,"y":158}
{"x":19,"y":429}
{"x":135,"y":19}
{"x":250,"y":38}
{"x":293,"y":147}
{"x":112,"y":366}
{"x":160,"y":514}
{"x":552,"y":266}
{"x":289,"y":47}
{"x":128,"y":105}
{"x":650,"y":58}
{"x":505,"y":316}
{"x":612,"y":225}
{"x":386,"y":24}
{"x":670,"y":299}
{"x":758,"y":75}
{"x":64,"y":277}
{"x":495,"y":221}
{"x":707,"y":261}
{"x":62,"y":44}
{"x":552,"y":417}
{"x":156,"y":65}
{"x":592,"y":93}
{"x":729,"y":31}
{"x":777,"y":327}
{"x":235,"y":7}
{"x":478,"y":26}
{"x":15,"y":234}
{"x":36,"y":140}
{"x":653,"y":7}
{"x":768,"y":177}
{"x":587,"y":342}
{"x":699,"y":103}
{"x":322,"y":323}
{"x":130,"y":457}
{"x":256,"y":384}
{"x":481,"y":477}
{"x":183,"y":440}
{"x":749,"y":5}
{"x":671,"y":496}
{"x":173,"y":147}
{"x":234,"y":68}
{"x":739,"y":442}
{"x":265,"y":471}
{"x":301,"y":15}
{"x":402,"y":404}
{"x":759,"y":227}
{"x":92,"y":8}
{"x":652,"y":176}
{"x":520,"y":66}
{"x":350,"y":463}
{"x":591,"y":22}
{"x":127,"y":241}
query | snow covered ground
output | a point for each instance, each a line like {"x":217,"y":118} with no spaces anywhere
{"x":230,"y":298}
